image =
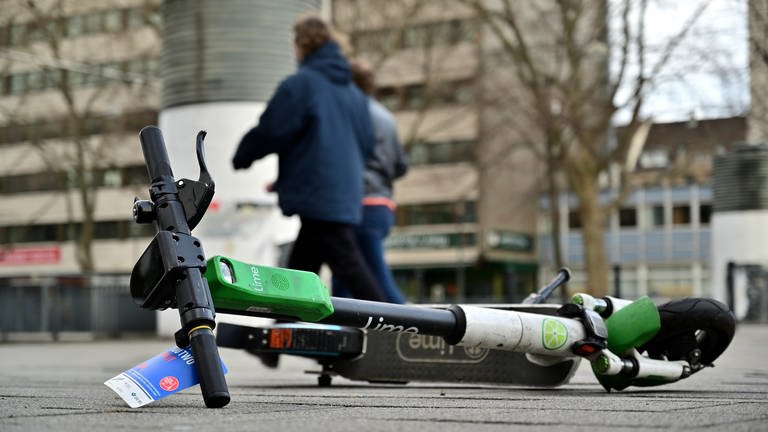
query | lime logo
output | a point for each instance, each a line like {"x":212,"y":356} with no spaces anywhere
{"x":553,"y":334}
{"x":475,"y":353}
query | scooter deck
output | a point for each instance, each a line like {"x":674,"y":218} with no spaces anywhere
{"x":396,"y":357}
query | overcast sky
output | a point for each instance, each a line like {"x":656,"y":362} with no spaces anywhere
{"x":708,"y":75}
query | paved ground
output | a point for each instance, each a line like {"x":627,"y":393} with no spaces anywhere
{"x":58,"y":387}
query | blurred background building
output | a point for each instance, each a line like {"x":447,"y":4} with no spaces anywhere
{"x":80,"y":79}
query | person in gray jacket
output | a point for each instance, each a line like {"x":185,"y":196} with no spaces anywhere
{"x":387,"y":163}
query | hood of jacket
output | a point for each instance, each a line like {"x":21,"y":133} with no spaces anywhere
{"x":329,"y":62}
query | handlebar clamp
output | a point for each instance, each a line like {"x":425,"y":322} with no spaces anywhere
{"x":597,"y":333}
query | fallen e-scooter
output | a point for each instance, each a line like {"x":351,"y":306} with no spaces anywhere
{"x":626,"y":342}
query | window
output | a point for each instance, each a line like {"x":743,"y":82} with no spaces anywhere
{"x":107,"y":178}
{"x":47,"y":128}
{"x":628,"y":217}
{"x":464,"y":94}
{"x":33,"y":32}
{"x":113,"y":21}
{"x":436,"y":213}
{"x":414,"y":96}
{"x":152,"y":67}
{"x":53,"y":78}
{"x":92,"y":23}
{"x":441,"y":152}
{"x":415,"y":36}
{"x":652,"y":159}
{"x":75,"y":25}
{"x":102,"y":230}
{"x":30,"y":183}
{"x":16,"y":84}
{"x":657,"y":216}
{"x":35,"y":80}
{"x":74,"y":78}
{"x":112,"y":178}
{"x":56,"y":28}
{"x":140,"y":230}
{"x":135,"y":175}
{"x":32,"y":233}
{"x":574,"y":219}
{"x":18,"y":34}
{"x":681,"y":215}
{"x":5,"y":36}
{"x":705,"y":214}
{"x":424,"y":35}
{"x":136,"y":19}
{"x":420,"y":153}
{"x":107,"y":230}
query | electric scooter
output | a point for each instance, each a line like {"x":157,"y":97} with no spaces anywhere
{"x":628,"y":343}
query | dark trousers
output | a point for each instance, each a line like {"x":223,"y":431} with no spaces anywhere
{"x":334,"y":244}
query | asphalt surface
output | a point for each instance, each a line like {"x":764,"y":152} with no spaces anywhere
{"x":59,"y":387}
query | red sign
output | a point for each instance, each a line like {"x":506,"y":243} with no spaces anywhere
{"x":30,"y":255}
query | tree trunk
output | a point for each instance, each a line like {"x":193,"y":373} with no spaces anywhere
{"x":592,"y":219}
{"x":86,"y":190}
{"x":553,"y":194}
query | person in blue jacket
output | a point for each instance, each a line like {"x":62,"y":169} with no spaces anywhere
{"x":318,"y":124}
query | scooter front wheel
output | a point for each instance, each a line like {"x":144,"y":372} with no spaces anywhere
{"x":693,"y":329}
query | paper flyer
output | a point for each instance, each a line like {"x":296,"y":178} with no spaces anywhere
{"x":164,"y":374}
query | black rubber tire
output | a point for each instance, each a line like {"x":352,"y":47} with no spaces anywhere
{"x":324,"y":380}
{"x":690,"y":323}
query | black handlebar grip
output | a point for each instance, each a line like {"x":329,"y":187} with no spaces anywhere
{"x":155,"y":154}
{"x":209,"y":370}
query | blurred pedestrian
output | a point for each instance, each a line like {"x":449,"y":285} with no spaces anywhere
{"x":318,"y":124}
{"x":387,"y":163}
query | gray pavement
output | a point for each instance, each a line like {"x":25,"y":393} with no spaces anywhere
{"x":58,"y":387}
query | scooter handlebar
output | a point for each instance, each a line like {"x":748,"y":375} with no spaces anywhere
{"x":212,"y":382}
{"x":155,"y":154}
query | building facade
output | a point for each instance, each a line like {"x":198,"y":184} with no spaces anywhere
{"x":80,"y":78}
{"x":660,"y":241}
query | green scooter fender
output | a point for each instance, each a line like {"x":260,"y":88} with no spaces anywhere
{"x":629,"y":327}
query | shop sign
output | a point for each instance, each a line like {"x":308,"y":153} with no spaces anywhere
{"x":30,"y":255}
{"x":430,"y":241}
{"x":508,"y":240}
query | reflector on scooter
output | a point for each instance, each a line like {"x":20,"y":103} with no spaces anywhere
{"x":226,"y":272}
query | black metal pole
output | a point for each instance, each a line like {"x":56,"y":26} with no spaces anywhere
{"x":448,"y":323}
{"x":730,"y":271}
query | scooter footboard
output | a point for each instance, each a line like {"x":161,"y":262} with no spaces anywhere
{"x":404,"y":357}
{"x":399,"y":357}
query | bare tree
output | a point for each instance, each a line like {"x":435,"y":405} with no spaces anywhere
{"x":88,"y":96}
{"x":758,"y":65}
{"x":405,"y":40}
{"x":572,"y":66}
